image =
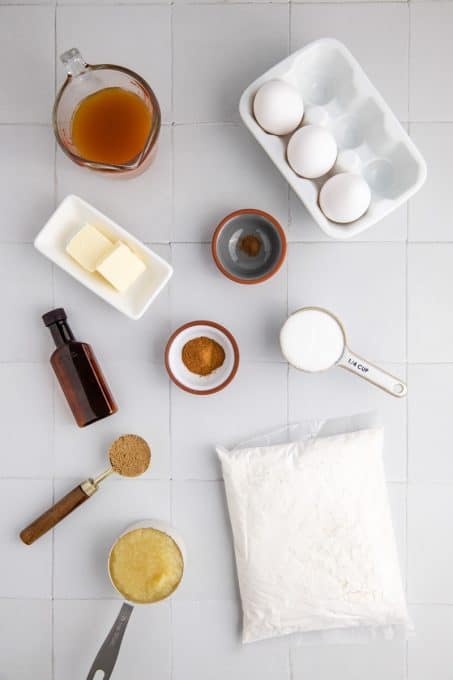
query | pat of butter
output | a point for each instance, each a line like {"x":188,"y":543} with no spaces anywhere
{"x":121,"y":267}
{"x":88,"y":247}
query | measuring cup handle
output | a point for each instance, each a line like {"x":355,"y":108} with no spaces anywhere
{"x":377,"y":376}
{"x":106,"y":657}
{"x":53,"y":515}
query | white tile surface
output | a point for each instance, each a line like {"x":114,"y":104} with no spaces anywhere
{"x":137,"y":37}
{"x":213,"y":63}
{"x":141,"y":205}
{"x":28,"y":275}
{"x":375,"y":661}
{"x":217,"y":652}
{"x":430,"y":551}
{"x":26,"y":64}
{"x":25,"y":639}
{"x":199,"y":56}
{"x":26,"y":395}
{"x":83,"y":540}
{"x":218,"y":169}
{"x":142,"y":393}
{"x":430,"y":399}
{"x":214,"y":297}
{"x":430,"y":100}
{"x":429,"y":209}
{"x":430,"y":653}
{"x":208,"y":540}
{"x":111,"y":334}
{"x":25,"y":571}
{"x":398,"y":505}
{"x":145,"y":648}
{"x":363,"y":284}
{"x":430,"y":299}
{"x":27,"y":167}
{"x":338,"y":393}
{"x":254,"y":402}
{"x":380,"y":25}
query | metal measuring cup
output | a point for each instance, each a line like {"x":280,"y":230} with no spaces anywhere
{"x":108,"y":653}
{"x":340,"y":354}
{"x":119,"y":463}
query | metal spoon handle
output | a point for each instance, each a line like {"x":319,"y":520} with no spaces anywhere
{"x":377,"y":376}
{"x":106,"y":657}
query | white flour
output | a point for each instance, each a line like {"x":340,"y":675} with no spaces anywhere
{"x":312,"y":340}
{"x":313,"y":536}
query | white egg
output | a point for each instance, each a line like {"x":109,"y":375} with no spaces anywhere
{"x":345,"y":197}
{"x":278,"y":107}
{"x":311,"y":151}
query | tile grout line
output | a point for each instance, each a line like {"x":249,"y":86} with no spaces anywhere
{"x":291,"y":242}
{"x":156,"y":480}
{"x":158,"y":3}
{"x":213,"y":123}
{"x":172,"y":130}
{"x":210,"y":480}
{"x":245,"y":360}
{"x":55,"y":189}
{"x":113,"y":598}
{"x":406,"y":516}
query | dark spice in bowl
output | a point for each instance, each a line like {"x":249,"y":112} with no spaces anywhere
{"x":250,"y":245}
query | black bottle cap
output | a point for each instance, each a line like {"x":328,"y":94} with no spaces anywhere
{"x":54,"y":315}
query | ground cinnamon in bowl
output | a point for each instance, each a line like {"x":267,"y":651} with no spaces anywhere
{"x":202,"y":355}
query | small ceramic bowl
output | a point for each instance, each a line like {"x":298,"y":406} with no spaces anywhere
{"x":249,"y":246}
{"x":201,"y":384}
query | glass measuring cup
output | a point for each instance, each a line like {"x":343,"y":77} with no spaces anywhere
{"x":84,"y":80}
{"x":108,"y":653}
{"x":313,"y":339}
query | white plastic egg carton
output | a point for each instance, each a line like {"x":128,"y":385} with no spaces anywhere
{"x":327,"y":75}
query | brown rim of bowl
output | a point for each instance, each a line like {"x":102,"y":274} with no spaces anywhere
{"x":269,"y":218}
{"x":220,"y":328}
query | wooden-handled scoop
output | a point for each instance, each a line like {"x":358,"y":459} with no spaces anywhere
{"x":129,"y":456}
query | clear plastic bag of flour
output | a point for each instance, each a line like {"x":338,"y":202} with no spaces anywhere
{"x":256,"y":612}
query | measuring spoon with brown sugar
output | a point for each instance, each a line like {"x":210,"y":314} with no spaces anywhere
{"x":129,"y":456}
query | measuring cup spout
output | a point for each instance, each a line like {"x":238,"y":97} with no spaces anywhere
{"x":377,"y":376}
{"x":73,"y":62}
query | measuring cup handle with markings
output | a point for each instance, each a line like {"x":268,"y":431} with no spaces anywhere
{"x":361,"y":367}
{"x":106,"y":657}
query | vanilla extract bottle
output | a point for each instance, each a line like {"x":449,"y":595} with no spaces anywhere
{"x":78,"y":372}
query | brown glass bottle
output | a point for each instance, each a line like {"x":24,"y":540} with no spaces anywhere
{"x":78,"y":373}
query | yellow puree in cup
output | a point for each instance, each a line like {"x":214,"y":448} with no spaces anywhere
{"x":146,"y":565}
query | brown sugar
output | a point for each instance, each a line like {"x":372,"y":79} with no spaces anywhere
{"x":250,"y":245}
{"x":130,"y":455}
{"x":202,"y":355}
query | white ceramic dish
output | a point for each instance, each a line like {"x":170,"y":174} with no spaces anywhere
{"x":191,"y":382}
{"x":328,"y":76}
{"x":72,"y":213}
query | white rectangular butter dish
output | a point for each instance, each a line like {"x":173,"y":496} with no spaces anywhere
{"x":327,"y":75}
{"x":70,"y":216}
